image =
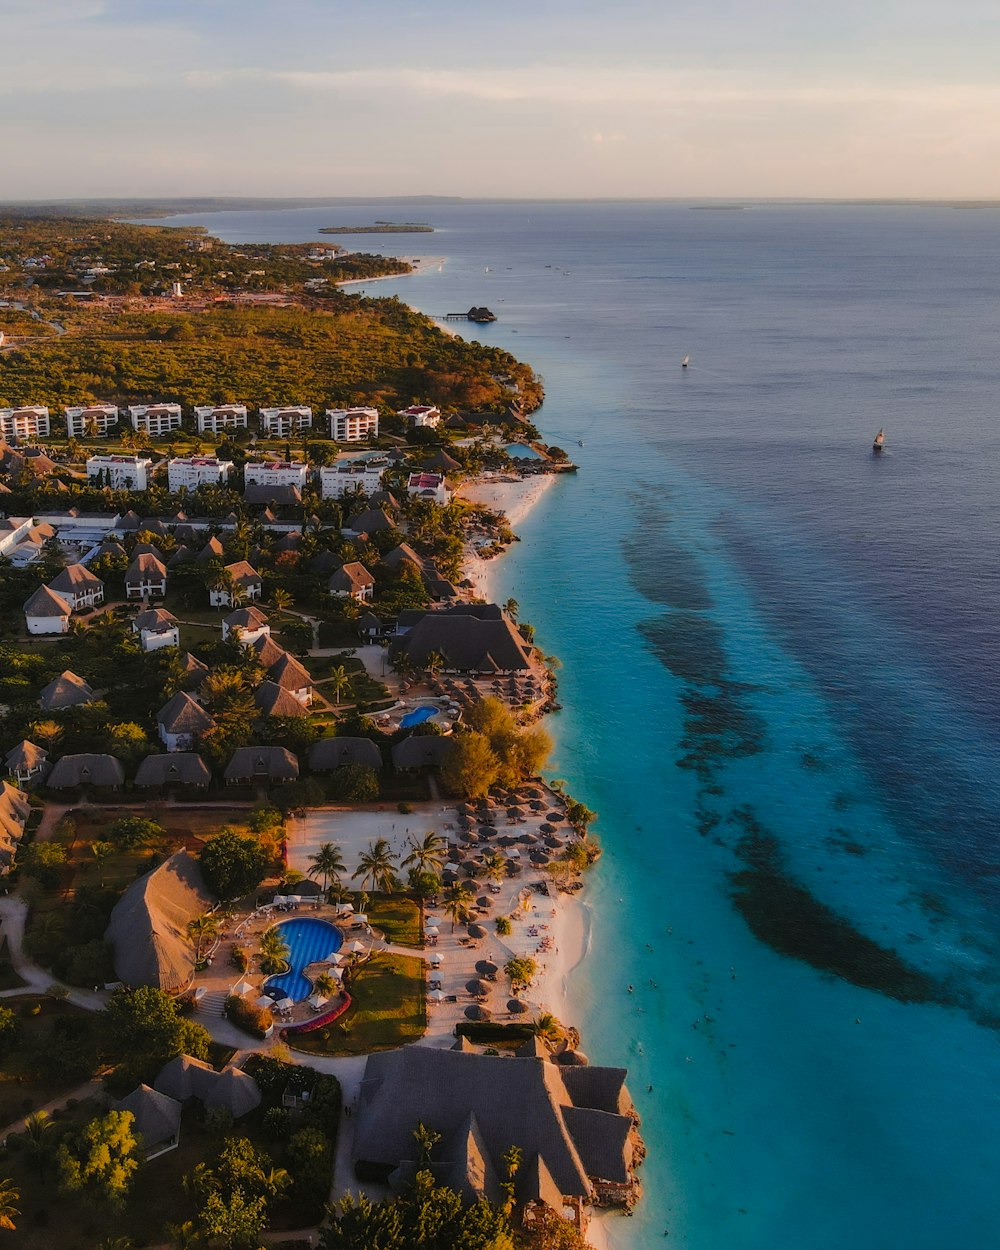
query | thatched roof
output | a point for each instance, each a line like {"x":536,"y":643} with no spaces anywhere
{"x":289,"y":674}
{"x":272,"y":763}
{"x":157,"y":1117}
{"x":285,"y":495}
{"x":267,"y":650}
{"x":183,"y":714}
{"x":330,"y":753}
{"x":155,"y":619}
{"x":245,"y":618}
{"x":370,"y":521}
{"x":146,"y":567}
{"x":351,"y":579}
{"x":14,"y":810}
{"x":467,"y":640}
{"x":195,"y":671}
{"x":243,"y":574}
{"x":401,"y":556}
{"x":44,"y":603}
{"x":421,"y":751}
{"x":183,"y":1078}
{"x":273,"y":701}
{"x":176,"y":768}
{"x":148,"y":926}
{"x":86,"y":770}
{"x":75,"y":579}
{"x":66,"y":690}
{"x":25,"y":755}
{"x":491,"y":1103}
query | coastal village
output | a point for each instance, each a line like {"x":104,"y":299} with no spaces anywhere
{"x":289,"y":899}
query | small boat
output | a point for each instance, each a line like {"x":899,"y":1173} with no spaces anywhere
{"x":685,"y":362}
{"x":582,"y":443}
{"x":879,"y":442}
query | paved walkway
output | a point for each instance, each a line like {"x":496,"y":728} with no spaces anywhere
{"x":13,"y":916}
{"x":87,"y":1090}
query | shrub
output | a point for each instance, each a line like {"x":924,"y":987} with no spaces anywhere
{"x":277,"y":1123}
{"x":239,"y":957}
{"x":503,"y":925}
{"x":218,"y":1121}
{"x":354,"y":783}
{"x":253,"y":1020}
{"x":492,"y":1031}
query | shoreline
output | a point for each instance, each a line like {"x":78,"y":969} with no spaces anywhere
{"x":514,"y":496}
{"x":418,"y":263}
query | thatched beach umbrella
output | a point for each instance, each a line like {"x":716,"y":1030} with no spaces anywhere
{"x":538,"y":858}
{"x":556,"y":816}
{"x":476,"y":1012}
{"x":516,"y":1007}
{"x":485,"y":902}
{"x":572,"y":1059}
{"x":478,"y":988}
{"x":515,"y":813}
{"x":546,"y":828}
{"x":487,"y":968}
{"x":555,"y":842}
{"x":477,"y":931}
{"x":468,"y":836}
{"x":528,"y":839}
{"x":536,"y":805}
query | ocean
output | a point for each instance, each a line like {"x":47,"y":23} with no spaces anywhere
{"x":779,"y":674}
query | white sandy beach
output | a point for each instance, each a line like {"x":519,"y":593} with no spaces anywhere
{"x":516,"y":496}
{"x":418,"y":263}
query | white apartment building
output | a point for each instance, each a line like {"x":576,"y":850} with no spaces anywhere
{"x":284,"y":422}
{"x":24,"y":424}
{"x":92,"y":422}
{"x":155,"y":419}
{"x":213,"y":420}
{"x":275,"y":473}
{"x":430,"y":486}
{"x":352,"y":425}
{"x":194,"y":471}
{"x":337,"y":480}
{"x":119,"y":472}
{"x":422,"y":415}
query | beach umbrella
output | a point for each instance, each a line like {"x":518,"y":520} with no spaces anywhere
{"x":317,"y":1000}
{"x":545,"y":827}
{"x":432,"y":930}
{"x":516,"y":1007}
{"x":484,"y":901}
{"x":514,"y":853}
{"x":515,"y":813}
{"x":487,"y":968}
{"x":538,"y":858}
{"x":264,"y":1001}
{"x":346,"y":906}
{"x":436,"y":960}
{"x":284,"y":1004}
{"x":464,"y":822}
{"x":507,"y":840}
{"x":476,"y":931}
{"x":528,"y":839}
{"x":358,"y":948}
{"x":554,"y":842}
{"x":536,"y":805}
{"x":513,"y":868}
{"x":486,"y":831}
{"x":478,"y":988}
{"x":475,"y":1012}
{"x":241,"y":988}
{"x":463,"y":809}
{"x":556,"y":816}
{"x":468,"y":836}
{"x":436,"y":996}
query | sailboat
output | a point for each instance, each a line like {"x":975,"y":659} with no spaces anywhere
{"x":685,"y":362}
{"x":879,"y":442}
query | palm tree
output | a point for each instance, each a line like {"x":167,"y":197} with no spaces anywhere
{"x":340,"y":681}
{"x":273,"y":950}
{"x":325,"y":984}
{"x":377,"y":866}
{"x":433,"y":662}
{"x":38,"y":1139}
{"x":512,"y":607}
{"x":495,"y":865}
{"x":328,"y":863}
{"x":547,"y":1029}
{"x":101,"y":851}
{"x":456,"y":906}
{"x":202,"y":927}
{"x":428,"y":855}
{"x":10,"y":1195}
{"x":46,"y":731}
{"x":275,"y":1182}
{"x":281,"y":600}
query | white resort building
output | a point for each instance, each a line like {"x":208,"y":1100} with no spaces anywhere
{"x":421,"y":415}
{"x":92,"y":422}
{"x":337,"y":480}
{"x":155,"y":419}
{"x":352,"y":425}
{"x":275,"y":473}
{"x":213,"y":420}
{"x":283,"y":422}
{"x":24,"y":425}
{"x":190,"y":472}
{"x":430,"y":486}
{"x":119,"y":472}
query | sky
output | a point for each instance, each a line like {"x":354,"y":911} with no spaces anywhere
{"x":540,"y":98}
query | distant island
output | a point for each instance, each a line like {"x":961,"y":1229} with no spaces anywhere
{"x":381,"y":227}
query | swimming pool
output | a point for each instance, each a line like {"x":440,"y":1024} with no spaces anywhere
{"x":308,"y":940}
{"x":521,"y":451}
{"x":417,"y":717}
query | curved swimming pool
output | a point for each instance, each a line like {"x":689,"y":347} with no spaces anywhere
{"x":308,"y":940}
{"x":417,"y":717}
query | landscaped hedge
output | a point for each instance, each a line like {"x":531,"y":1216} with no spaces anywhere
{"x":488,"y":1032}
{"x":253,"y":1020}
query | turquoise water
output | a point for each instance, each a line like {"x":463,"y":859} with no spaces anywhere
{"x":417,"y":717}
{"x":521,"y":451}
{"x":780,"y":682}
{"x":308,"y":940}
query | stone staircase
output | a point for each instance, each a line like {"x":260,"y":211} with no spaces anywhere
{"x":213,"y":1003}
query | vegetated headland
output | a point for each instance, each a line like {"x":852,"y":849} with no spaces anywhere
{"x":381,"y":227}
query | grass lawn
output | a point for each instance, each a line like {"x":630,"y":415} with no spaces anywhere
{"x":398,"y":918}
{"x":9,"y":979}
{"x":23,"y":1085}
{"x":388,"y":1010}
{"x":339,"y":633}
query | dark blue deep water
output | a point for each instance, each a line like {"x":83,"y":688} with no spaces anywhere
{"x":781,"y":685}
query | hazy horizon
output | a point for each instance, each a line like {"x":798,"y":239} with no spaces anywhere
{"x":563,"y":99}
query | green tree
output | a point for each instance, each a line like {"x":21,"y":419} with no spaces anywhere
{"x":456,"y":906}
{"x":521,"y":970}
{"x":102,"y":1159}
{"x":143,"y":1028}
{"x":354,"y":783}
{"x":202,"y":929}
{"x":10,"y":1196}
{"x":273,"y":950}
{"x":232,"y":865}
{"x":427,"y":854}
{"x":128,"y":741}
{"x":10,"y":1028}
{"x":471,"y":766}
{"x":102,"y":852}
{"x":376,"y":867}
{"x":42,"y":860}
{"x":339,"y":682}
{"x":128,"y":832}
{"x":39,"y":1143}
{"x":328,"y":863}
{"x":424,"y":1215}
